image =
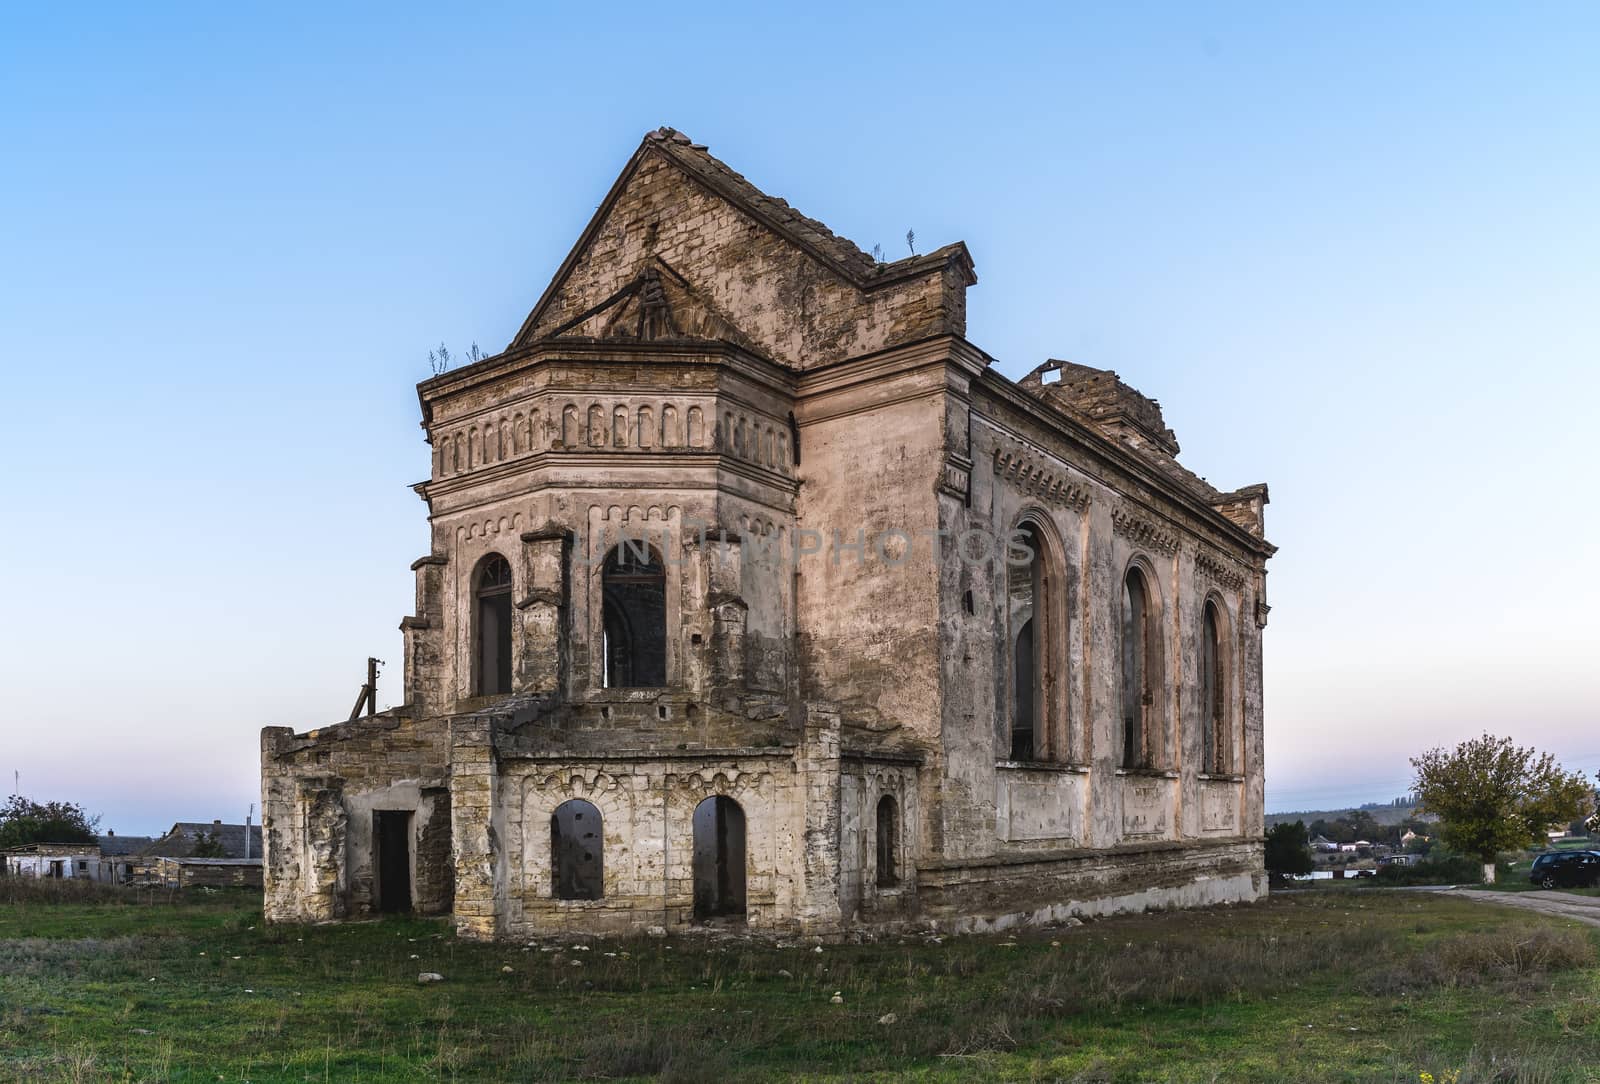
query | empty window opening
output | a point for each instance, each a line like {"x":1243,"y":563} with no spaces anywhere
{"x":1028,"y":591}
{"x":1138,"y":687}
{"x":391,"y":830}
{"x":634,"y":636}
{"x":888,"y":842}
{"x":492,"y":658}
{"x":577,"y":852}
{"x":1213,"y":693}
{"x":719,"y":859}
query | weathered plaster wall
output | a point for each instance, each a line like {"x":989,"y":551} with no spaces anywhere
{"x":319,"y":793}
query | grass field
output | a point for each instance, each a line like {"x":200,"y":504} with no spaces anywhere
{"x":1332,"y":984}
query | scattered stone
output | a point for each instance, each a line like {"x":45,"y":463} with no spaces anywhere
{"x":784,"y":975}
{"x":656,"y":931}
{"x":1071,"y":922}
{"x":508,"y":970}
{"x":836,"y":999}
{"x":430,"y":976}
{"x":887,"y":1018}
{"x":141,"y":1031}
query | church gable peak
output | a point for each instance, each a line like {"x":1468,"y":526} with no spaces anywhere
{"x":684,"y":247}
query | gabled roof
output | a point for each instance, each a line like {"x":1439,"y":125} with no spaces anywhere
{"x":114,"y":845}
{"x":180,"y":841}
{"x":843,"y":257}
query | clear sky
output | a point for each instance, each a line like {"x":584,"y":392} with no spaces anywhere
{"x":1351,"y":248}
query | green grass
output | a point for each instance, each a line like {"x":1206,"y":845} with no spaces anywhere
{"x":1309,"y":986}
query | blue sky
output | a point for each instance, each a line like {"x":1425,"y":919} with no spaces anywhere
{"x":1352,"y":250}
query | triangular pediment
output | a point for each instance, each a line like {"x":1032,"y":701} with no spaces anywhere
{"x":657,"y":303}
{"x":684,"y":247}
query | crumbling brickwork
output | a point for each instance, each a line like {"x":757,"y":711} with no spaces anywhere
{"x":859,"y":703}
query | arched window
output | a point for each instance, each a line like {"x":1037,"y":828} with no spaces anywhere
{"x":577,"y":856}
{"x":1218,"y":744}
{"x":1038,"y":648}
{"x":1140,"y":678}
{"x":492,"y":606}
{"x":634,"y":600}
{"x":888,"y":842}
{"x":718,"y":866}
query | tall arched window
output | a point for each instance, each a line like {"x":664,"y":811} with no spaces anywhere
{"x":888,"y":842}
{"x":577,"y":855}
{"x":1218,"y":744}
{"x":1038,"y":622}
{"x":1140,"y":676}
{"x":634,"y":600}
{"x":492,"y":613}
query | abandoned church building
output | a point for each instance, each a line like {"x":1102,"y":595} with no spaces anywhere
{"x":756,"y":595}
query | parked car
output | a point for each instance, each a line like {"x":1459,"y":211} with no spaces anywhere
{"x":1566,"y":869}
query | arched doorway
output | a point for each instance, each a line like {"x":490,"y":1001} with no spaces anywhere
{"x":719,"y":860}
{"x":577,"y":856}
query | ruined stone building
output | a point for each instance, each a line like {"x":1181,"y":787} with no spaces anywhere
{"x":757,"y":595}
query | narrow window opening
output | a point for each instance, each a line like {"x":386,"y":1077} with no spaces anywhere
{"x":1028,"y":593}
{"x":634,"y":602}
{"x":1136,"y":689}
{"x":1213,"y":696}
{"x":888,"y":842}
{"x":492,"y":658}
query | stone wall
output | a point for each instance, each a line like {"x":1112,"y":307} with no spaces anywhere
{"x":319,"y":794}
{"x":805,"y":440}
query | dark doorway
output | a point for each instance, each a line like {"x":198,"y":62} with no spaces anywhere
{"x":718,"y":859}
{"x":391,"y":829}
{"x":577,"y":856}
{"x":634,"y":586}
{"x":493,"y":654}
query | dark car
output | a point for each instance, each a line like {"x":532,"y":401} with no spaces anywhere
{"x":1566,"y":869}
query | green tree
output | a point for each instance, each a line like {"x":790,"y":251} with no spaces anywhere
{"x":23,"y":821}
{"x":1363,"y":825}
{"x":1288,"y":850}
{"x":1494,"y":796}
{"x":208,"y":845}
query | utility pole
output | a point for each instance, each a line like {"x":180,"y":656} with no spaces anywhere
{"x":369,"y":692}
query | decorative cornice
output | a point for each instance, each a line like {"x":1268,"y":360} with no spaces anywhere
{"x":1218,"y":569}
{"x":1142,"y":532}
{"x":1053,"y":487}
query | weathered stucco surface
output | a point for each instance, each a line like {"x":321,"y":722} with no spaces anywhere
{"x":813,"y":455}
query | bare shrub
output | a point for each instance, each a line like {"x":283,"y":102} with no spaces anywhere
{"x":1515,"y":953}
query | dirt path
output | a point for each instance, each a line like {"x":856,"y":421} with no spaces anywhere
{"x":1559,"y":904}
